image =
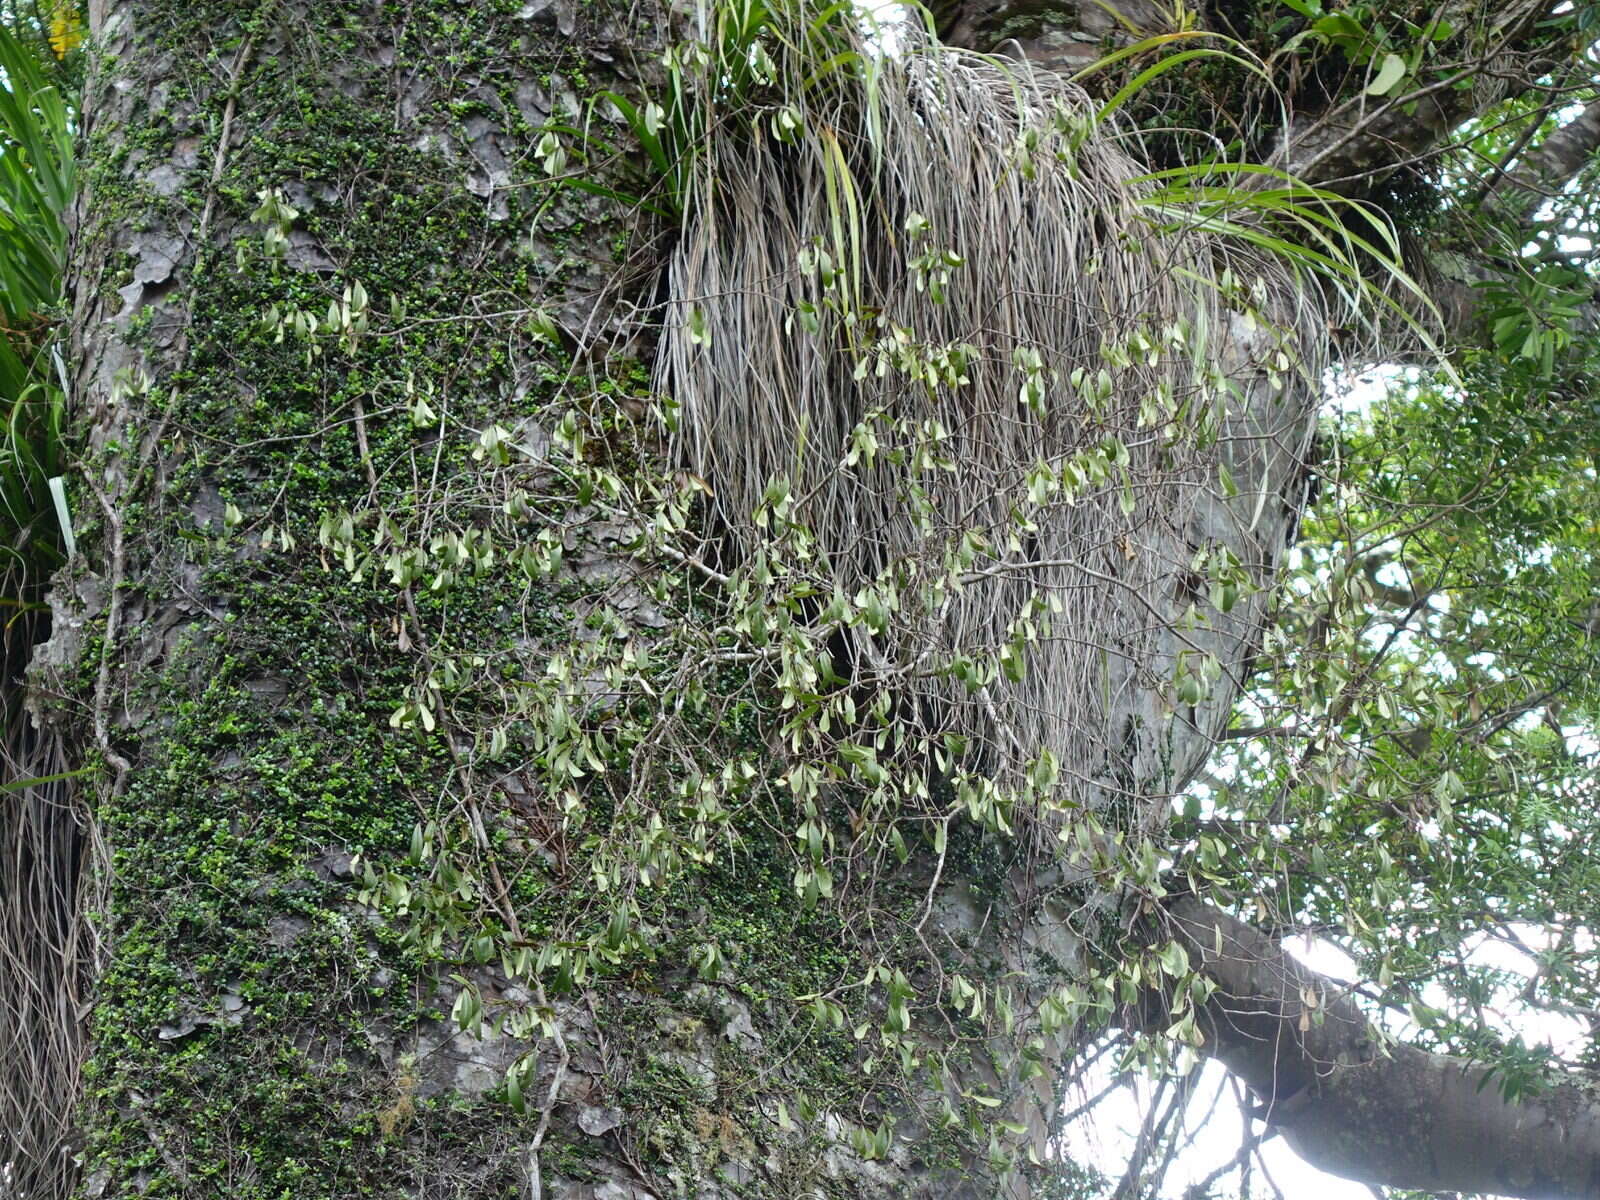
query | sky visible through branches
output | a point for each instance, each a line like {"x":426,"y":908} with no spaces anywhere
{"x":1215,"y":1135}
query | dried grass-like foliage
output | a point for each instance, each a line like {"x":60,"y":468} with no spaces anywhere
{"x":1057,"y":266}
{"x":45,"y":958}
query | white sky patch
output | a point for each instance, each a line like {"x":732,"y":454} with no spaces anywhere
{"x":1213,"y":1129}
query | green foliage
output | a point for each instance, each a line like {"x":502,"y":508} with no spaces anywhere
{"x":811,"y":679}
{"x":1431,"y":706}
{"x":731,"y":68}
{"x":37,"y":185}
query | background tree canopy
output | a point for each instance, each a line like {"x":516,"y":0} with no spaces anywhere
{"x":628,"y":603}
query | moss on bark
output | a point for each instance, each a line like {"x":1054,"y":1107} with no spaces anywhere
{"x":256,"y":1032}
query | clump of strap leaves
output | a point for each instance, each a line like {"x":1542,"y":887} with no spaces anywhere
{"x":933,"y":328}
{"x":945,"y":377}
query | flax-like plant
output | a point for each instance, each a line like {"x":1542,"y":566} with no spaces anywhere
{"x":37,"y":184}
{"x":925,"y":309}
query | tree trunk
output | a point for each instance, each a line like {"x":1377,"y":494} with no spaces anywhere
{"x":245,"y":689}
{"x":254,"y":1033}
{"x":254,"y":1030}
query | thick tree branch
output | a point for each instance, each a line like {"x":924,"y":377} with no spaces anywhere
{"x":1350,"y":144}
{"x":1382,"y":1114}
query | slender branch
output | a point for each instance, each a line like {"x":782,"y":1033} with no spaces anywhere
{"x":1503,"y":169}
{"x":1550,"y":165}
